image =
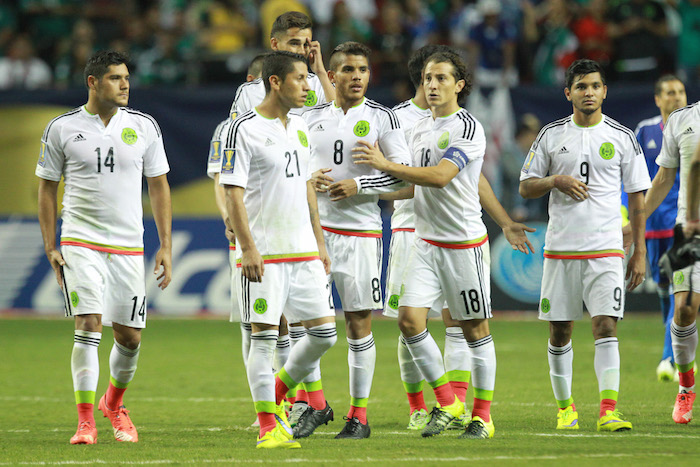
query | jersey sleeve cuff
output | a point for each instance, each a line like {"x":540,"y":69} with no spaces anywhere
{"x":47,"y":175}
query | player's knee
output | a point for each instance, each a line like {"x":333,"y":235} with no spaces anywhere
{"x":685,"y":315}
{"x":410,"y":327}
{"x":324,"y":336}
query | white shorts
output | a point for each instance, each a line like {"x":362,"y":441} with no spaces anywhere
{"x":687,"y":278}
{"x":106,"y":284}
{"x":567,"y":284}
{"x":400,"y":253}
{"x":460,"y":277}
{"x":298,"y":289}
{"x":235,"y":287}
{"x":356,"y":265}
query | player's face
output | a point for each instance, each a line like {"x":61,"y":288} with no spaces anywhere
{"x":440,"y":85}
{"x":672,"y":97}
{"x":587,"y":93}
{"x":294,"y":88}
{"x":294,"y":40}
{"x":113,"y":87}
{"x":351,"y":78}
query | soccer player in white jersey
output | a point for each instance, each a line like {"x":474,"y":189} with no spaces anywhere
{"x":581,"y":161}
{"x":350,"y":216}
{"x":681,"y":139}
{"x":291,"y":32}
{"x":281,"y":252}
{"x":451,"y":258}
{"x":102,"y":150}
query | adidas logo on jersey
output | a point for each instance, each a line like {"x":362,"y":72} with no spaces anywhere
{"x":689,"y":131}
{"x":79,"y":138}
{"x":563,"y":150}
{"x":651,"y":144}
{"x":269,"y":142}
{"x":319,"y":128}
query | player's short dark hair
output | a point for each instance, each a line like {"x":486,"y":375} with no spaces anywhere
{"x":289,"y":20}
{"x":583,"y":67}
{"x":99,"y":63}
{"x":417,"y":61}
{"x":255,"y":66}
{"x":348,"y":48}
{"x":665,"y":79}
{"x":279,"y":63}
{"x":459,"y":71}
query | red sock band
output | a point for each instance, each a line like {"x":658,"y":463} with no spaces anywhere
{"x":115,"y":397}
{"x":317,"y":400}
{"x":280,"y":390}
{"x":460,"y":389}
{"x":359,"y":413}
{"x":607,"y":404}
{"x":302,"y":396}
{"x":444,"y":395}
{"x":482,"y":409}
{"x":687,"y":379}
{"x":86,"y":413}
{"x":267,"y":422}
{"x":291,"y":399}
{"x":416,"y":401}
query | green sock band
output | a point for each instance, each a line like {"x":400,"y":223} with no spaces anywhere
{"x":685,"y":368}
{"x":355,"y":402}
{"x":483,"y":394}
{"x":565,"y":403}
{"x":608,"y":394}
{"x":292,"y":392}
{"x":117,"y":384}
{"x":459,"y":376}
{"x":265,"y":406}
{"x":313,"y":386}
{"x":289,"y":382}
{"x":439,"y":382}
{"x":85,"y":397}
{"x":412,"y":388}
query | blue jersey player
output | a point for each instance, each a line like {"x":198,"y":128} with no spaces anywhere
{"x":669,"y":95}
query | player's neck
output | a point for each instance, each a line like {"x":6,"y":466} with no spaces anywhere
{"x":105,"y":111}
{"x":445,"y":109}
{"x":272,"y":108}
{"x":586,"y":120}
{"x":419,"y":99}
{"x":347,"y":104}
{"x":664,"y":117}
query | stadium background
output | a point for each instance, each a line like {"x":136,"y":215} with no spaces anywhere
{"x":189,"y":57}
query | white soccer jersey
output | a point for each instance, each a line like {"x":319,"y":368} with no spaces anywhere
{"x":272,"y":163}
{"x":103,"y":169}
{"x":252,"y":93}
{"x":450,"y":217}
{"x":214,"y":159}
{"x":681,"y":138}
{"x":408,"y":113}
{"x":602,"y":156}
{"x":333,"y":134}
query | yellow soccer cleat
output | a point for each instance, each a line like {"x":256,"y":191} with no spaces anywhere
{"x":283,"y":422}
{"x":418,"y":420}
{"x":612,"y":421}
{"x":567,"y":419}
{"x":276,"y":439}
{"x":479,"y":429}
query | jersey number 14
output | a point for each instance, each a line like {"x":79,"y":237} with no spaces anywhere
{"x":108,"y":162}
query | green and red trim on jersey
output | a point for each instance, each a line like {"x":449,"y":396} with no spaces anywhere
{"x":117,"y":250}
{"x":232,"y":246}
{"x":460,"y":245}
{"x":583,"y":254}
{"x":286,"y":258}
{"x":355,"y":233}
{"x":402,"y":230}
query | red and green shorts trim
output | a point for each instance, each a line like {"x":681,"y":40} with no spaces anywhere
{"x":287,"y":258}
{"x":460,"y":245}
{"x":355,"y":233}
{"x":584,"y":254}
{"x":117,"y":250}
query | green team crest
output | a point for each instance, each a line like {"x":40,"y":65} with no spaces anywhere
{"x":74,"y":300}
{"x":129,"y":136}
{"x":394,"y":302}
{"x":444,"y":140}
{"x":260,"y":306}
{"x":607,"y":151}
{"x":361,"y":128}
{"x":678,"y":277}
{"x":302,"y":139}
{"x":545,"y":306}
{"x":311,"y":98}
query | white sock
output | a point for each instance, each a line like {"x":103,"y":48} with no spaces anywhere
{"x":457,"y":354}
{"x":307,"y":352}
{"x":123,"y":362}
{"x":607,"y":365}
{"x":362,"y":355}
{"x":483,"y":364}
{"x":85,"y":362}
{"x":561,"y":370}
{"x":426,"y":355}
{"x":281,"y":352}
{"x":409,"y":371}
{"x":684,"y":340}
{"x":260,"y":377}
{"x":245,"y":341}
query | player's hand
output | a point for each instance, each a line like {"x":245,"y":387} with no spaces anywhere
{"x":627,"y":238}
{"x":343,"y":189}
{"x":315,"y":58}
{"x":636,"y":270}
{"x":691,"y":228}
{"x":164,"y":266}
{"x":516,"y":236}
{"x":252,"y":265}
{"x":320,"y":181}
{"x":325,"y":259}
{"x":369,"y":154}
{"x":568,"y":185}
{"x":230,"y":236}
{"x":56,"y":260}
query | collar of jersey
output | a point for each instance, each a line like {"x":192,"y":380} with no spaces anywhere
{"x":91,"y":115}
{"x":450,"y":115}
{"x":587,"y":127}
{"x":417,"y":106}
{"x":336,"y":106}
{"x":255,"y":109}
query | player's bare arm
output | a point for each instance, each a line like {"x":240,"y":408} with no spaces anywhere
{"x":159,"y":193}
{"x":692,"y":222}
{"x":48,"y":197}
{"x":538,"y":187}
{"x":320,"y":181}
{"x":316,"y":65}
{"x":343,"y":189}
{"x":316,"y":225}
{"x":514,"y":231}
{"x":252,"y":264}
{"x":220,"y":198}
{"x":435,"y":177}
{"x":660,"y":186}
{"x":404,"y":193}
{"x":636,"y":267}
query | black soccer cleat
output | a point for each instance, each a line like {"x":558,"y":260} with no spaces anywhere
{"x":353,"y":429}
{"x":312,"y":419}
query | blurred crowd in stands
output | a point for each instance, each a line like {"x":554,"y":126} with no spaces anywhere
{"x":45,"y":43}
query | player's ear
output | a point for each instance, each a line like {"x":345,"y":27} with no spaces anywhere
{"x":275,"y":82}
{"x":91,"y":81}
{"x":331,"y":76}
{"x":567,"y":93}
{"x":274,"y":43}
{"x":460,"y":85}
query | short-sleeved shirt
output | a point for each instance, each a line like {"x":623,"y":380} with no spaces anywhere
{"x":271,"y":162}
{"x":450,"y":217}
{"x":603,"y":156}
{"x":103,"y":169}
{"x":214,"y":158}
{"x":333,"y":134}
{"x":252,"y":93}
{"x":408,"y":113}
{"x":681,"y":138}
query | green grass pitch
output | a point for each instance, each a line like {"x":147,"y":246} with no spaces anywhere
{"x":191,"y":404}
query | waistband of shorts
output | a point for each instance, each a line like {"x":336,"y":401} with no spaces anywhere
{"x":355,"y":233}
{"x":116,"y":250}
{"x":402,"y":230}
{"x":459,"y":245}
{"x":584,"y":254}
{"x":287,"y":258}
